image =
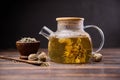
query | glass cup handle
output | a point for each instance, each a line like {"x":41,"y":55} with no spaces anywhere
{"x":101,"y":33}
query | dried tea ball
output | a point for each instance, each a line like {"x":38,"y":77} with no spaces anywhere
{"x":97,"y":57}
{"x":32,"y":57}
{"x":42,"y":56}
{"x":38,"y":53}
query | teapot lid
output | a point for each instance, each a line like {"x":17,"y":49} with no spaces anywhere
{"x":68,"y":18}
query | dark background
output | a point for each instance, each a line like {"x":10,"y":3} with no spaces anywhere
{"x":25,"y":18}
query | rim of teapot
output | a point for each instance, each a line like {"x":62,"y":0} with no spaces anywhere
{"x":69,"y":18}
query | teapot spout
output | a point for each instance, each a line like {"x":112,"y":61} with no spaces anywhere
{"x":45,"y":31}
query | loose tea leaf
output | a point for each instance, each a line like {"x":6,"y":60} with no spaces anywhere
{"x":28,"y":39}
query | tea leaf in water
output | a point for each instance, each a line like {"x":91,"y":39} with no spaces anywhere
{"x":70,"y":50}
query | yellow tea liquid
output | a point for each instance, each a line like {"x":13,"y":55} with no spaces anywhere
{"x":70,"y":50}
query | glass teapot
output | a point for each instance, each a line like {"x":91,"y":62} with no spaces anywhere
{"x":70,"y":43}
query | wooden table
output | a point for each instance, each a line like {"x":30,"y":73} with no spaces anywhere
{"x":107,"y":69}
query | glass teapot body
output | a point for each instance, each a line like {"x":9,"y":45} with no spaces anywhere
{"x":70,"y":43}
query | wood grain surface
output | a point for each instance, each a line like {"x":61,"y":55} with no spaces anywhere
{"x":107,"y":69}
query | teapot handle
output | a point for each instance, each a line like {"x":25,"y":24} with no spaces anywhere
{"x":101,"y":33}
